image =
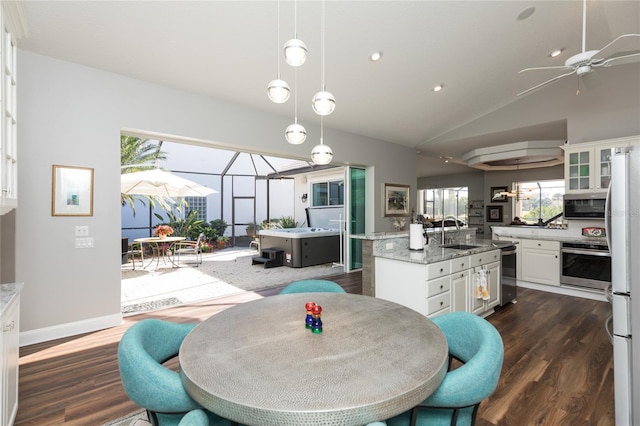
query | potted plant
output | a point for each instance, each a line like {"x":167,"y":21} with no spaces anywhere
{"x":252,"y":230}
{"x":222,"y":242}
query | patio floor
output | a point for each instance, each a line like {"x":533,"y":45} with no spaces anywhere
{"x":221,"y":273}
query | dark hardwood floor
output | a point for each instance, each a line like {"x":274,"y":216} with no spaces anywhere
{"x":557,"y":368}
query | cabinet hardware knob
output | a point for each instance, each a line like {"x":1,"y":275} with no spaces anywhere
{"x":441,"y":303}
{"x":441,"y":286}
{"x":441,"y":269}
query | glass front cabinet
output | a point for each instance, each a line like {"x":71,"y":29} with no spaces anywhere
{"x":587,"y":166}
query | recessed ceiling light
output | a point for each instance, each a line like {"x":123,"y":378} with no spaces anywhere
{"x":446,"y":158}
{"x":526,"y":13}
{"x":375,"y":56}
{"x":556,"y":52}
{"x":438,"y":88}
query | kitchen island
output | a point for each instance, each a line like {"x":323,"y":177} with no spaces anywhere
{"x":440,"y":278}
{"x":376,"y":241}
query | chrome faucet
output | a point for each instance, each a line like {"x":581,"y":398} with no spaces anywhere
{"x":455,"y":220}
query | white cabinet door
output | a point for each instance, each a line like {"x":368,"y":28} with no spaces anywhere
{"x":541,"y":266}
{"x":9,"y":363}
{"x":494,"y":280}
{"x":459,"y":286}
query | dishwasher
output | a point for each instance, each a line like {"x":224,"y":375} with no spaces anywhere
{"x":508,"y":282}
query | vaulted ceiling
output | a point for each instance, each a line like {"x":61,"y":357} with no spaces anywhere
{"x":231,"y":49}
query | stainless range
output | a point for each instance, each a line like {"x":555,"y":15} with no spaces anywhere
{"x":585,"y":264}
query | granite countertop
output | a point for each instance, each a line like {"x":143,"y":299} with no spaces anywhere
{"x":434,"y":253}
{"x":399,"y":234}
{"x":7,"y":293}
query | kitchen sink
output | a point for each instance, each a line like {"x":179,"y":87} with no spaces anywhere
{"x":459,"y":246}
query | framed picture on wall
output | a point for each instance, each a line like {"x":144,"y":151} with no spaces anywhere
{"x":495,"y":194}
{"x":71,"y":191}
{"x":494,"y":213}
{"x":396,"y":200}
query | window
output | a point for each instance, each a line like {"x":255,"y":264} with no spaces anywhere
{"x":328,"y":193}
{"x":198,"y":204}
{"x":442,"y":202}
{"x":541,"y":201}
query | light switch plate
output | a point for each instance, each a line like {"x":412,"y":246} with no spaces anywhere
{"x":82,"y":231}
{"x":82,"y":243}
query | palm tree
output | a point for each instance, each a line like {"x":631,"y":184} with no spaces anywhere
{"x":136,"y":155}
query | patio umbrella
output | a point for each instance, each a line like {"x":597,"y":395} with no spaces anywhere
{"x":161,"y":183}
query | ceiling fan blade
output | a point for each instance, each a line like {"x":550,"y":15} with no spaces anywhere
{"x":559,"y":67}
{"x":626,"y":58}
{"x":546,"y":83}
{"x":630,"y":37}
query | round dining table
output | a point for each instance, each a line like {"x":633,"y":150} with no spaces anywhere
{"x":159,"y":247}
{"x":257,"y":363}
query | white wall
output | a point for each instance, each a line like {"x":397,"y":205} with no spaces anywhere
{"x":73,"y":115}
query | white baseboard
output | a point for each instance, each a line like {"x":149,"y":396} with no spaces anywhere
{"x":567,"y":291}
{"x":69,"y":329}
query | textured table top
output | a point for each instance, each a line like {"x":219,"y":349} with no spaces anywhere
{"x":257,"y":364}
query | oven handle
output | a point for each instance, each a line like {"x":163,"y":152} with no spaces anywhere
{"x":587,"y":252}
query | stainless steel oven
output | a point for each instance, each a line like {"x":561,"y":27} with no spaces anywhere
{"x":585,"y":265}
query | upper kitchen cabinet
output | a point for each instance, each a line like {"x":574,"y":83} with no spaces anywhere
{"x":8,"y":123}
{"x":587,"y":166}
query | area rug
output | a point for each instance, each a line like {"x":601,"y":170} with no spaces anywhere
{"x":139,"y":418}
{"x":151,"y":305}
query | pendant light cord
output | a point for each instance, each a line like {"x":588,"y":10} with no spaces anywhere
{"x":321,"y":130}
{"x":295,"y":95}
{"x":278,"y":47}
{"x":295,"y":19}
{"x":322,"y":6}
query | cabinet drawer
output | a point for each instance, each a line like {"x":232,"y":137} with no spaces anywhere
{"x":539,"y":244}
{"x":440,"y":269}
{"x":484,"y":258}
{"x":460,"y":264}
{"x":438,"y":302}
{"x":438,"y":286}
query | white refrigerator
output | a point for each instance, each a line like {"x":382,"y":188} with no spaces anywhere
{"x":623,"y":232}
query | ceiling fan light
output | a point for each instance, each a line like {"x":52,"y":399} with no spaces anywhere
{"x":295,"y":52}
{"x":324,"y":103}
{"x":278,"y":91}
{"x":295,"y":134}
{"x":556,"y":52}
{"x":375,"y":56}
{"x":321,"y":154}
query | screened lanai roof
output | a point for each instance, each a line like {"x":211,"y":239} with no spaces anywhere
{"x":225,"y":162}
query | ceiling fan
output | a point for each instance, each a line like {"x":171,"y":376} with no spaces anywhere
{"x":584,"y":63}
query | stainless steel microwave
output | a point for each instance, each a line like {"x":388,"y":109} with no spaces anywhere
{"x":585,"y":206}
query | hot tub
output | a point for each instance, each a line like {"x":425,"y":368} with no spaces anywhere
{"x":303,"y":246}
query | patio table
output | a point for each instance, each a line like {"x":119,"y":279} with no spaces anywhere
{"x":257,"y":364}
{"x":156,"y":248}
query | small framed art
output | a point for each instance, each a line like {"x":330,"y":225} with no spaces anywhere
{"x":71,"y":191}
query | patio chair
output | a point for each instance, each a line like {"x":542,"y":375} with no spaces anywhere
{"x":190,"y":248}
{"x":132,"y":250}
{"x":143,"y":349}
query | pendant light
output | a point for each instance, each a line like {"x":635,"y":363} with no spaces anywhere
{"x":295,"y":133}
{"x":321,"y":154}
{"x":519,"y":194}
{"x":278,"y":90}
{"x":323,"y":102}
{"x":295,"y":51}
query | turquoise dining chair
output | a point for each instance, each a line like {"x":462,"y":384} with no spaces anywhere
{"x":475,"y":343}
{"x":144,"y":347}
{"x":312,"y":286}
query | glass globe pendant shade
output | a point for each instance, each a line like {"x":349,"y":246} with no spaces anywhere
{"x":295,"y":52}
{"x":278,"y":91}
{"x":295,"y":134}
{"x":324,"y":103}
{"x":321,"y":154}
